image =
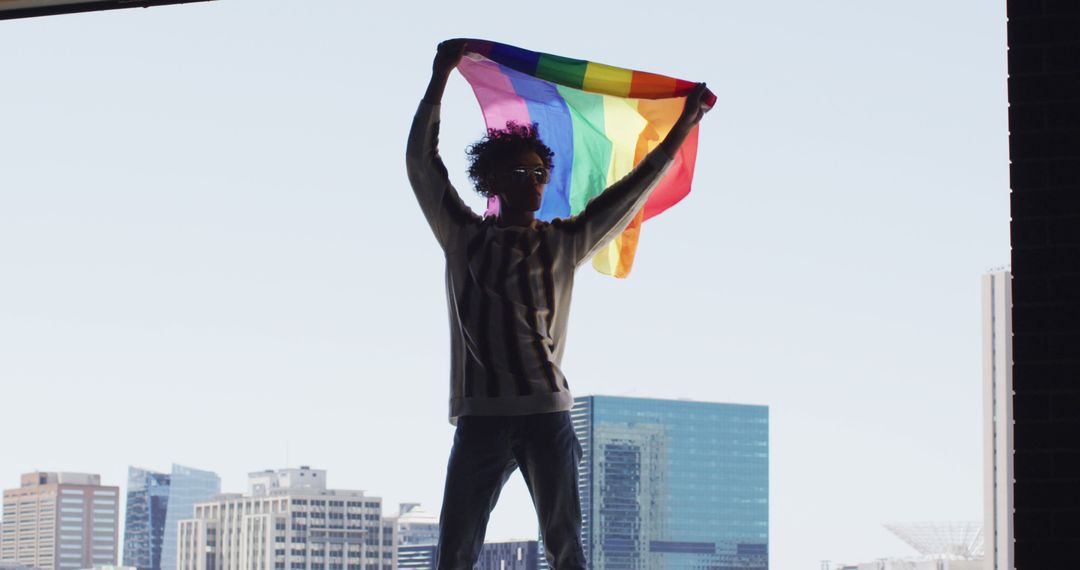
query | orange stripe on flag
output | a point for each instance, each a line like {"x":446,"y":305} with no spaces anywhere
{"x":650,"y":85}
{"x":628,"y":242}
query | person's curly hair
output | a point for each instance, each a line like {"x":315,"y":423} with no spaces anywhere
{"x":499,"y":148}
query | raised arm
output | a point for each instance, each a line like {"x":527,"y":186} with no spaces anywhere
{"x":608,"y":214}
{"x":443,"y":208}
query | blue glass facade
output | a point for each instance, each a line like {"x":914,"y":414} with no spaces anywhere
{"x":673,"y":484}
{"x":144,"y":520}
{"x":187,"y":486}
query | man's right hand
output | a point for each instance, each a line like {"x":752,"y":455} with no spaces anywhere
{"x":448,"y":55}
{"x":446,"y":59}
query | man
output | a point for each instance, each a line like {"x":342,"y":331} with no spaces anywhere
{"x":509,"y":279}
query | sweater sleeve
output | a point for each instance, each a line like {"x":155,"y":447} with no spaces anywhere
{"x":608,"y":214}
{"x":446,"y":213}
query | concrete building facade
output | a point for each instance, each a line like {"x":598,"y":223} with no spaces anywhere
{"x":288,"y":520}
{"x":60,"y":521}
{"x":417,"y":534}
{"x":997,"y":421}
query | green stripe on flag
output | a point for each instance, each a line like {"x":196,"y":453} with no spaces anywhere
{"x":592,"y":149}
{"x":562,"y":70}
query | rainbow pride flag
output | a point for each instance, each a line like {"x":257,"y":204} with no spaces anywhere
{"x":599,"y":120}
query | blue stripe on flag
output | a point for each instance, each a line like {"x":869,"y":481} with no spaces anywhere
{"x":549,"y":111}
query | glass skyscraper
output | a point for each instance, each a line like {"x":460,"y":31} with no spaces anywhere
{"x":156,"y":503}
{"x":144,"y":521}
{"x":187,"y":486}
{"x":673,"y":484}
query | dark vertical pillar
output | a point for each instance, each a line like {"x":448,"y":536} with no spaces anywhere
{"x":1044,"y":147}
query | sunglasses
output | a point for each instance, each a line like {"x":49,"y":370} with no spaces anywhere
{"x":525,"y":175}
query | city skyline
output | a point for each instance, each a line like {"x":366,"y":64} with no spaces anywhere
{"x":211,"y":256}
{"x":689,"y":454}
{"x":427,"y":556}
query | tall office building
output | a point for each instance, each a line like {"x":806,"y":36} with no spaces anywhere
{"x":60,"y":521}
{"x":156,"y":502}
{"x":288,"y":520}
{"x":672,"y":484}
{"x":187,"y":486}
{"x":144,"y":518}
{"x":997,"y":421}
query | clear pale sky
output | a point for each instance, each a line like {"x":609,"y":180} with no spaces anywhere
{"x":210,"y":255}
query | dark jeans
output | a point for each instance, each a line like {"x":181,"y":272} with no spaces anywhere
{"x":487,"y":450}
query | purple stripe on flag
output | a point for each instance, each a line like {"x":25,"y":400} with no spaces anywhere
{"x":515,"y":58}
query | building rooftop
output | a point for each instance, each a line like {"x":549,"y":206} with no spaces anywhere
{"x":417,"y":515}
{"x":37,"y":478}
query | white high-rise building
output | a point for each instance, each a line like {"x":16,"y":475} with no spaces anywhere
{"x":997,"y":420}
{"x":417,"y":537}
{"x":288,"y":520}
{"x":416,"y":525}
{"x":60,"y":521}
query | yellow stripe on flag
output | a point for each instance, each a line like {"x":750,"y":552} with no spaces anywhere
{"x":623,"y":125}
{"x":600,"y":78}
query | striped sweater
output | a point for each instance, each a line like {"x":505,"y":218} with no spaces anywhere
{"x":508,"y":288}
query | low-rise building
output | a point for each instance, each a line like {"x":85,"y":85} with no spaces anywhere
{"x":509,"y":555}
{"x":417,"y":537}
{"x":288,"y":520}
{"x":60,"y":521}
